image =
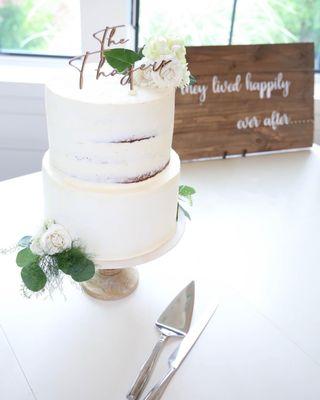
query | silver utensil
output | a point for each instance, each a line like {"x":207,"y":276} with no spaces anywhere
{"x":174,"y":321}
{"x":177,"y":357}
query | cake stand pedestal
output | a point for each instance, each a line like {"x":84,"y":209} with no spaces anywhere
{"x":117,"y":279}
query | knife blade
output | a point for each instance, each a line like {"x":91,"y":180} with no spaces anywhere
{"x":174,"y":321}
{"x":180,"y":353}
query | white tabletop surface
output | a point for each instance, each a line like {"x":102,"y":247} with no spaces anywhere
{"x":253,"y":239}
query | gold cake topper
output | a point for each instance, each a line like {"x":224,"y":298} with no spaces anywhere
{"x":106,"y":39}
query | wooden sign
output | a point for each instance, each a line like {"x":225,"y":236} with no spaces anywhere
{"x":247,"y":98}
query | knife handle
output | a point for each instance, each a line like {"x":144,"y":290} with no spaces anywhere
{"x":157,"y":391}
{"x":146,"y":370}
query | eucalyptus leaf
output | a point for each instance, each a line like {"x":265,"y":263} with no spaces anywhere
{"x":64,"y":262}
{"x":75,"y":263}
{"x":68,"y":258}
{"x":25,"y":257}
{"x":83,"y":272}
{"x":122,"y":59}
{"x":33,"y":277}
{"x":25,"y":241}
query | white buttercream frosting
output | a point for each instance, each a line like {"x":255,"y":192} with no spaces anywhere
{"x":115,"y":221}
{"x":102,"y":134}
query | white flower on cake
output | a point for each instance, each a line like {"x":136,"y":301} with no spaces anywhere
{"x":49,"y":254}
{"x":172,"y":75}
{"x":36,"y":247}
{"x":143,"y":77}
{"x":55,"y":240}
{"x":161,"y":47}
{"x":51,"y":239}
{"x":174,"y":72}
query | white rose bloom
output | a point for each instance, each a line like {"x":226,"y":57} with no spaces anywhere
{"x":174,"y":74}
{"x":179,"y":52}
{"x":161,"y":47}
{"x":142,"y":77}
{"x":156,"y":47}
{"x":36,"y":247}
{"x":55,"y":239}
{"x":185,"y":81}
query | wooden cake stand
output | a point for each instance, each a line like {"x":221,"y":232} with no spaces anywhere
{"x":117,"y":279}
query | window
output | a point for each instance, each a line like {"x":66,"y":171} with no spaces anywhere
{"x":212,"y":22}
{"x":45,"y":27}
{"x":198,"y":23}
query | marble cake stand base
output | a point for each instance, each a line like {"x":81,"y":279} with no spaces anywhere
{"x":117,"y":279}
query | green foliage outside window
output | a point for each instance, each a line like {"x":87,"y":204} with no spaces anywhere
{"x":24,"y":25}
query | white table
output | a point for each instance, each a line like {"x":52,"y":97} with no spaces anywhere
{"x":254,"y":238}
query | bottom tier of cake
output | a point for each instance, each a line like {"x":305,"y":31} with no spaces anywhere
{"x":115,"y":221}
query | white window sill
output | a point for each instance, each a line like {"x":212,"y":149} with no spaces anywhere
{"x":34,"y":70}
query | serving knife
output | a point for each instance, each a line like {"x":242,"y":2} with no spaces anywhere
{"x":174,"y":321}
{"x":181,"y":352}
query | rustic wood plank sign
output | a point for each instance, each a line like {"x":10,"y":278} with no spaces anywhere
{"x":247,"y":98}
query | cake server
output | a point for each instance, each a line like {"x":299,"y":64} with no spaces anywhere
{"x":174,"y":321}
{"x":181,"y":352}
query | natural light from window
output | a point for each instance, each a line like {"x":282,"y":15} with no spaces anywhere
{"x":208,"y":22}
{"x":40,"y":27}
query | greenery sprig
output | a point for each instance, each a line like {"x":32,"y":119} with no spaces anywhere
{"x":38,"y":272}
{"x":122,"y":59}
{"x":185,"y":195}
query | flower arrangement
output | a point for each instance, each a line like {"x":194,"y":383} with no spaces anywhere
{"x":161,"y":63}
{"x":175,"y":72}
{"x":52,"y":252}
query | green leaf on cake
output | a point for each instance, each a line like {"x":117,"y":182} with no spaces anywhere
{"x":68,"y":258}
{"x":25,"y":258}
{"x":33,"y":277}
{"x":187,"y":192}
{"x":122,"y":59}
{"x":25,"y":241}
{"x":140,"y":52}
{"x":83,"y":272}
{"x":193,"y":80}
{"x":75,"y":263}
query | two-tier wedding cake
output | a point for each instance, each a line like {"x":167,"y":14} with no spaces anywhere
{"x":110,"y":175}
{"x":111,"y":179}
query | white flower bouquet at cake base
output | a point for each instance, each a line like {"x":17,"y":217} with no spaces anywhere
{"x":45,"y":257}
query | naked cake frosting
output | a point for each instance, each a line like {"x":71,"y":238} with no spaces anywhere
{"x":110,"y":174}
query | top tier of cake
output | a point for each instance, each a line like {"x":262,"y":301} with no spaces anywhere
{"x":103,"y":134}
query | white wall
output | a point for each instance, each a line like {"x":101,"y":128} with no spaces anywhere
{"x":23,"y":136}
